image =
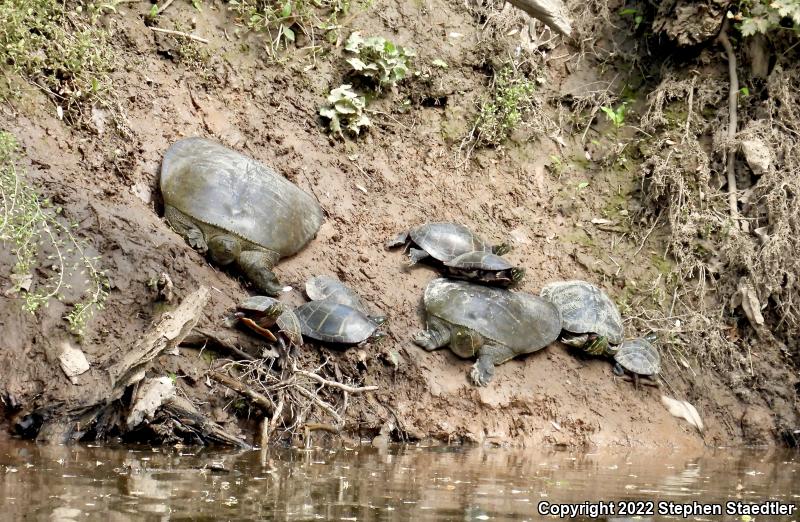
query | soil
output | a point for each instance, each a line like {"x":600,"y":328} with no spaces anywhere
{"x":406,"y":170}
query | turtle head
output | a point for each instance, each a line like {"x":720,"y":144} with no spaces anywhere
{"x":501,"y":249}
{"x":517,"y":274}
{"x":651,"y":337}
{"x":597,"y":345}
{"x":274,"y":311}
{"x":224,"y":249}
{"x":574,"y":340}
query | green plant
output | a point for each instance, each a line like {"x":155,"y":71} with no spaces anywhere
{"x":616,"y":116}
{"x":49,"y":261}
{"x":281,"y":19}
{"x":59,"y":48}
{"x":378,"y":58}
{"x":512,"y":98}
{"x":635,"y":14}
{"x":762,"y":16}
{"x":346,"y":111}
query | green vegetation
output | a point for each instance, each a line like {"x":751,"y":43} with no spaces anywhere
{"x":59,"y":48}
{"x":762,"y":16}
{"x":378,"y":58}
{"x":511,"y":99}
{"x":48,"y":258}
{"x":381,"y":63}
{"x":616,"y":116}
{"x":345,"y":111}
{"x":281,"y":20}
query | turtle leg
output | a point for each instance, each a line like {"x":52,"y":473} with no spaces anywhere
{"x":489,"y":356}
{"x":398,"y":240}
{"x":183,"y":225}
{"x":436,"y":336}
{"x":416,"y":255}
{"x":257,"y":265}
{"x":501,"y":249}
{"x":574,"y":340}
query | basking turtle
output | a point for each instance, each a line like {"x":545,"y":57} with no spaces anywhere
{"x":260,"y":313}
{"x":329,"y":288}
{"x":491,"y":324}
{"x":443,"y":242}
{"x":235,"y":209}
{"x":591,"y":319}
{"x":639,"y":357}
{"x":333,"y":322}
{"x":484,"y":267}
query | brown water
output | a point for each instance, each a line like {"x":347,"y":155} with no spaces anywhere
{"x":399,"y":483}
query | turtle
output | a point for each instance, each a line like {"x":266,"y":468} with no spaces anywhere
{"x":329,"y":288}
{"x":260,"y":312}
{"x":639,"y":357}
{"x":238,"y":211}
{"x":442,"y":242}
{"x":591,"y":320}
{"x":492,"y":324}
{"x":484,"y":267}
{"x":332,"y":322}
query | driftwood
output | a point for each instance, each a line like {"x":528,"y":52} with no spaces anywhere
{"x":67,"y":413}
{"x":552,"y":12}
{"x":186,"y":418}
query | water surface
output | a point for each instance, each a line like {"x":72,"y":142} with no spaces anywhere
{"x":363,"y":483}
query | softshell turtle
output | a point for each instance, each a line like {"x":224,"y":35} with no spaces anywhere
{"x":330,"y":288}
{"x":260,"y":313}
{"x":639,"y":357}
{"x":333,"y":322}
{"x":484,"y":267}
{"x":491,"y":324}
{"x":236,"y":209}
{"x":591,"y":319}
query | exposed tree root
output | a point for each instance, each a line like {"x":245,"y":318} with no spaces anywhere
{"x":733,"y":99}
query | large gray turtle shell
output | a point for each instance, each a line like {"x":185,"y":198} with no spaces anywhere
{"x":585,"y":309}
{"x":524,"y":322}
{"x":333,"y":322}
{"x":220,"y":187}
{"x":445,"y":241}
{"x":639,"y":356}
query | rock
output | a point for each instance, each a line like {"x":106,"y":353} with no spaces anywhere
{"x":758,"y":155}
{"x":757,"y":425}
{"x":73,"y":362}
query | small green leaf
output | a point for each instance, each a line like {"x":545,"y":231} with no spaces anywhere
{"x":582,"y":185}
{"x":288,"y":33}
{"x":744,"y":91}
{"x":287,"y":10}
{"x":438,"y":62}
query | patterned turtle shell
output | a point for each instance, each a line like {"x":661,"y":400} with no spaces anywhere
{"x":443,"y":241}
{"x":639,"y":356}
{"x":585,"y":309}
{"x":334,"y":323}
{"x":287,"y":321}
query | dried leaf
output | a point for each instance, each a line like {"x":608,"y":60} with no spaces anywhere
{"x":683,"y":410}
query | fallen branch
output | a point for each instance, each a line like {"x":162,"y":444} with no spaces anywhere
{"x":233,"y":384}
{"x":322,"y":404}
{"x":732,"y":121}
{"x":334,"y":384}
{"x":179,"y":33}
{"x":200,"y":337}
{"x":164,"y":7}
{"x":69,"y":412}
{"x":184,"y":413}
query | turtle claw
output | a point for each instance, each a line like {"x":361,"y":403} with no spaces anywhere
{"x":481,"y":374}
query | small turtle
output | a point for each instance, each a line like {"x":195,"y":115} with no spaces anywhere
{"x":235,"y":209}
{"x":591,"y":319}
{"x":333,"y":322}
{"x":491,"y":324}
{"x":259,"y":313}
{"x":639,"y":357}
{"x":484,"y":267}
{"x":329,"y":288}
{"x":443,"y":242}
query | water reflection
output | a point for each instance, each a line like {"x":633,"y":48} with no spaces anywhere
{"x":402,"y":483}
